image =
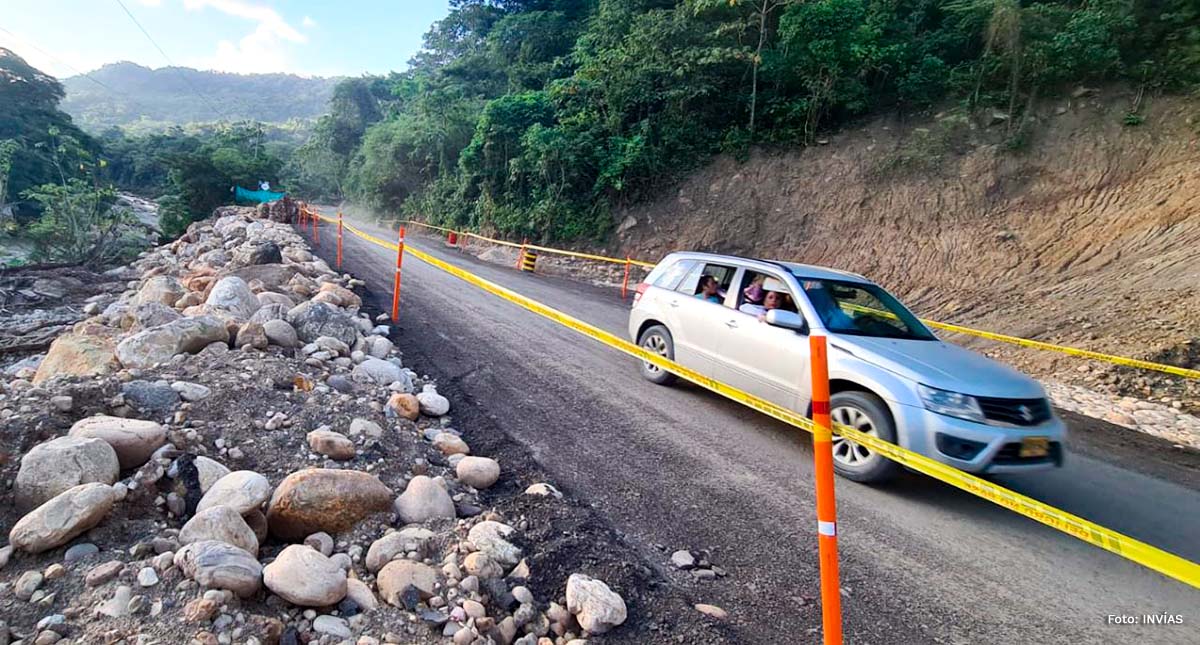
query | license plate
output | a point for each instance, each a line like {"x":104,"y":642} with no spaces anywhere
{"x":1035,"y":447}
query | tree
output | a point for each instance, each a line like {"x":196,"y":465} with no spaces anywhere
{"x":78,"y":224}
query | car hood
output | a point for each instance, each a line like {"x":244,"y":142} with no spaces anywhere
{"x":942,"y":365}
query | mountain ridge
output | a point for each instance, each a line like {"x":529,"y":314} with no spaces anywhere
{"x":127,"y":94}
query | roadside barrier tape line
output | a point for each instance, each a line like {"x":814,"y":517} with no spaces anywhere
{"x":1003,"y":338}
{"x":1144,"y":554}
{"x":1082,"y":353}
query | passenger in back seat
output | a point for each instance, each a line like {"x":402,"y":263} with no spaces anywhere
{"x":710,"y":290}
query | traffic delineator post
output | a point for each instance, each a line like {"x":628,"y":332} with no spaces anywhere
{"x":625,"y":282}
{"x":521,"y":255}
{"x":396,"y":282}
{"x":451,"y":238}
{"x":831,"y":599}
{"x":339,"y":249}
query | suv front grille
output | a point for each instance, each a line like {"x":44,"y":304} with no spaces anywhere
{"x":1017,"y":412}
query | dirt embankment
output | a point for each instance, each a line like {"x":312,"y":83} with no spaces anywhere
{"x":1088,"y":235}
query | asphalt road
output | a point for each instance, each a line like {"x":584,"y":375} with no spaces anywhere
{"x":683,"y":468}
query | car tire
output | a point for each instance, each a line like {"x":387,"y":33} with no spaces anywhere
{"x":870,"y":414}
{"x":658,"y":340}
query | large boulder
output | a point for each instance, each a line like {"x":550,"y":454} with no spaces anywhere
{"x":59,"y":520}
{"x":378,"y":371}
{"x":217,"y":565}
{"x":151,"y":398}
{"x":60,"y":464}
{"x":314,"y":500}
{"x":162,"y":289}
{"x":423,"y":500}
{"x":87,"y":351}
{"x":281,"y":333}
{"x":159,"y":344}
{"x":146,"y":315}
{"x":272,"y":276}
{"x":343,"y":296}
{"x":133,"y":440}
{"x":223,"y":524}
{"x":477,"y":472}
{"x":397,"y":543}
{"x":596,"y":607}
{"x":398,"y":575}
{"x":305,"y":577}
{"x":315,"y":319}
{"x":232,"y":294}
{"x":266,"y":253}
{"x":243,"y":490}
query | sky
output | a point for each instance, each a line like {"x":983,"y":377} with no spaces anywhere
{"x":306,"y":37}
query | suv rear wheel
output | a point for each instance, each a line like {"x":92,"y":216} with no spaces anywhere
{"x":867,"y":413}
{"x":658,"y":340}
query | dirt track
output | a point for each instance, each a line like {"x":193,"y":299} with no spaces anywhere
{"x":676,"y":468}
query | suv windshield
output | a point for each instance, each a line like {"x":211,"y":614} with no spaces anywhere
{"x":862,"y":309}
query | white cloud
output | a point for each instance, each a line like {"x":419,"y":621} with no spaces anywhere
{"x":266,"y":49}
{"x":308,"y":22}
{"x":61,"y":64}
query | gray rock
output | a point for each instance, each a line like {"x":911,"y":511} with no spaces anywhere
{"x":147,"y":315}
{"x":683,"y":559}
{"x":62,"y":518}
{"x":379,"y":347}
{"x":377,"y":371}
{"x":320,"y":542}
{"x":118,"y":605}
{"x":27,"y":584}
{"x":222,"y":524}
{"x":361,"y":594}
{"x":80,"y":551}
{"x":398,"y":576}
{"x":478,"y":472}
{"x":340,"y":383}
{"x":271,"y":311}
{"x":232,"y":295}
{"x":158,"y":344}
{"x":209,"y":471}
{"x":217,"y":565}
{"x":432,"y":403}
{"x":281,"y":333}
{"x":491,"y":538}
{"x":150,"y":398}
{"x":133,"y":440}
{"x":332,"y":625}
{"x":423,"y":500}
{"x":161,"y":289}
{"x":398,"y":543}
{"x":596,"y":607}
{"x":60,"y":464}
{"x":147,"y":577}
{"x":333,"y":345}
{"x":243,"y":491}
{"x":266,"y":253}
{"x":315,"y":319}
{"x":191,"y":391}
{"x":365,"y":427}
{"x":304,"y":577}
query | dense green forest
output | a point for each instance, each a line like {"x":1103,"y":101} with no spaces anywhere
{"x":141,"y":99}
{"x":58,"y":184}
{"x":538,"y":117}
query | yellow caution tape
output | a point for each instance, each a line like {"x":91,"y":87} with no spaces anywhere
{"x":1129,"y":548}
{"x":1023,"y":342}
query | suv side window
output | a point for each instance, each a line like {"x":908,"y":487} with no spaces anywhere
{"x":722,"y":273}
{"x":674,"y":274}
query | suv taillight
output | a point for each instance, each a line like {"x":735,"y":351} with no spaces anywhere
{"x":641,"y":288}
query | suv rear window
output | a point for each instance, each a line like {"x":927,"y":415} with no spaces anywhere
{"x":674,"y":274}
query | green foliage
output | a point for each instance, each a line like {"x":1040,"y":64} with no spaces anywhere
{"x":1133,"y":119}
{"x":78,"y":224}
{"x":537,"y":117}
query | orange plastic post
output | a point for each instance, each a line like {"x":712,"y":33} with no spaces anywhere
{"x":396,"y":284}
{"x":521,"y":255}
{"x":625,"y":282}
{"x":339,"y":251}
{"x":831,"y":599}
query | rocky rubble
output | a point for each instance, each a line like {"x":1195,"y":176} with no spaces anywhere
{"x":246,"y":458}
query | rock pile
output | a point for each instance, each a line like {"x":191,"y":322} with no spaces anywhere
{"x":245,"y":458}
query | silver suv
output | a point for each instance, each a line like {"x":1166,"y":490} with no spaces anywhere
{"x":745,"y":322}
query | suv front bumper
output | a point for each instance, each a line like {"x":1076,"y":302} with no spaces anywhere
{"x":995,"y":448}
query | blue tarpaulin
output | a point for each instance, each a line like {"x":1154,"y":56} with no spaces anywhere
{"x":260,"y":196}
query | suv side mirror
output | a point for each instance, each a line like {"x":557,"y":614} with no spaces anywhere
{"x":787,"y":320}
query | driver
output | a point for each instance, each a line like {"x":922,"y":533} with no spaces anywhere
{"x":827,"y":306}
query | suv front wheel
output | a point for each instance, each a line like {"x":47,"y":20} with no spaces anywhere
{"x":867,"y":413}
{"x":658,"y":340}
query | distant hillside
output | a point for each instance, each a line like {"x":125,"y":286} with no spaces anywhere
{"x":172,"y":95}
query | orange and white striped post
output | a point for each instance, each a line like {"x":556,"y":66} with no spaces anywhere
{"x":339,"y":251}
{"x":396,"y":283}
{"x":831,"y":599}
{"x":625,"y":282}
{"x":521,"y":255}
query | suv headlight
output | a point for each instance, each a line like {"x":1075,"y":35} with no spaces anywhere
{"x":951,"y":404}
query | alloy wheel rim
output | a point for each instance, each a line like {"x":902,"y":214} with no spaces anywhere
{"x":658,"y":345}
{"x":845,"y":451}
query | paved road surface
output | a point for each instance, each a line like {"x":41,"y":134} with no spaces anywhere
{"x":680,"y":467}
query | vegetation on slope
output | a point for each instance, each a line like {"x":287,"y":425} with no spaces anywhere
{"x":536,"y":117}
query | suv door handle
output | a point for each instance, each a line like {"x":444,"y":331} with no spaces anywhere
{"x":674,"y":303}
{"x":732,"y":324}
